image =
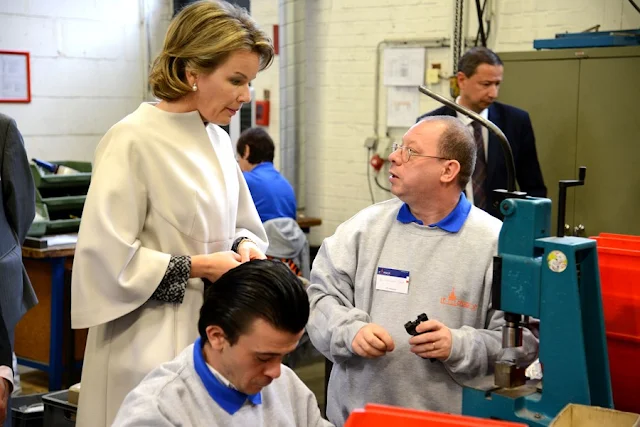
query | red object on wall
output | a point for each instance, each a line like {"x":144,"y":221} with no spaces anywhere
{"x":276,"y":38}
{"x":262,"y":113}
{"x":376,"y":162}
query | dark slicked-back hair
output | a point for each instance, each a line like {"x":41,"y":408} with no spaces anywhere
{"x":475,"y":57}
{"x":265,"y":289}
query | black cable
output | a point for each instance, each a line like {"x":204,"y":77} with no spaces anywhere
{"x":373,"y":201}
{"x":480,"y":11}
{"x":635,"y":6}
{"x":475,"y":43}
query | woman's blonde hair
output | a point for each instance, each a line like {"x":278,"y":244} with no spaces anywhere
{"x":201,"y":38}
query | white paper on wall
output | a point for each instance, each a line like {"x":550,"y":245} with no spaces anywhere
{"x":404,"y":66}
{"x":402,"y":106}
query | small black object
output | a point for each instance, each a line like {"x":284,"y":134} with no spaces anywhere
{"x":410,"y":326}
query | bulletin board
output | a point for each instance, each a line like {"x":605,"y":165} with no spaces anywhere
{"x":15,"y":76}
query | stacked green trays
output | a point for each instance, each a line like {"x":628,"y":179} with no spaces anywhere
{"x":39,"y":224}
{"x":45,"y":179}
{"x":62,"y":195}
{"x":62,"y":217}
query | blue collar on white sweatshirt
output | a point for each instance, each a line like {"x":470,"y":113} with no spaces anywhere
{"x":451,"y":223}
{"x":229,"y":399}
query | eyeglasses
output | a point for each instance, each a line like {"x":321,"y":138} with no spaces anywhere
{"x":407,"y":153}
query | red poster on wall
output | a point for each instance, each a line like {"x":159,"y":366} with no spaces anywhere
{"x":15,"y":78}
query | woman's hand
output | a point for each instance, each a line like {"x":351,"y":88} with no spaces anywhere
{"x":212,"y":266}
{"x":248,"y":251}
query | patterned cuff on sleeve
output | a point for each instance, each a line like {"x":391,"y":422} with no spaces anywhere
{"x":174,"y":283}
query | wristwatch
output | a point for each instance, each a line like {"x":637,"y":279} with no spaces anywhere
{"x":237,"y":242}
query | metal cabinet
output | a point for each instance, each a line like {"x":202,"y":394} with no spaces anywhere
{"x":585,"y":109}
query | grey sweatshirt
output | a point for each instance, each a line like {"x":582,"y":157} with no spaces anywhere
{"x":174,"y":395}
{"x":287,"y":240}
{"x":450,"y":281}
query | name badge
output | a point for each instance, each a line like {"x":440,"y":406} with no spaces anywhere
{"x":391,"y":280}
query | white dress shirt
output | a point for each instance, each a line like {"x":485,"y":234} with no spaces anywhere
{"x":221,"y":377}
{"x":7,"y":373}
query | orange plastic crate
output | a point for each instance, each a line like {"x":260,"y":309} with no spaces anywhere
{"x":617,"y":242}
{"x":624,"y":350}
{"x":619,"y":236}
{"x":619,"y":264}
{"x":374,"y":415}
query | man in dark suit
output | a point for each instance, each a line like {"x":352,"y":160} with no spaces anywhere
{"x":17,"y":193}
{"x":6,"y":374}
{"x":479,"y":76}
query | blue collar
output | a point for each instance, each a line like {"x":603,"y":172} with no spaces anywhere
{"x":451,"y":223}
{"x":229,"y":399}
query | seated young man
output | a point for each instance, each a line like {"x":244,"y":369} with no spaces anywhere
{"x":275,"y":200}
{"x":232,"y":375}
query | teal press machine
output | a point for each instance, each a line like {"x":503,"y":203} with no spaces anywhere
{"x":555,"y":280}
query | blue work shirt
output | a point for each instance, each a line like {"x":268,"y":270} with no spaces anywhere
{"x":271,"y":192}
{"x":451,"y":223}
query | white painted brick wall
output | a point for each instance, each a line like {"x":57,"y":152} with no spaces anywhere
{"x":519,"y":22}
{"x":269,"y":79}
{"x":292,"y":70}
{"x":341,"y":38}
{"x":88,"y":68}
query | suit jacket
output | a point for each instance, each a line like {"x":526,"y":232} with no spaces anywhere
{"x":516,"y":125}
{"x":17,"y":193}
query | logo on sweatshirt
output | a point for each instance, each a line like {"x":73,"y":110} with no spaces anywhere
{"x":453,"y":300}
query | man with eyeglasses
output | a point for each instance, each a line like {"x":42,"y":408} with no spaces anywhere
{"x":427,"y":251}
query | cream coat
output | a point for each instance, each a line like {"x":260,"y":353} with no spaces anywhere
{"x":163,"y":184}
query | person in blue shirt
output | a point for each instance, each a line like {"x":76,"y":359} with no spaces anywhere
{"x":271,"y":192}
{"x":275,"y":201}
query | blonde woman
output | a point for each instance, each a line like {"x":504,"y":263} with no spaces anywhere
{"x":167,"y":207}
